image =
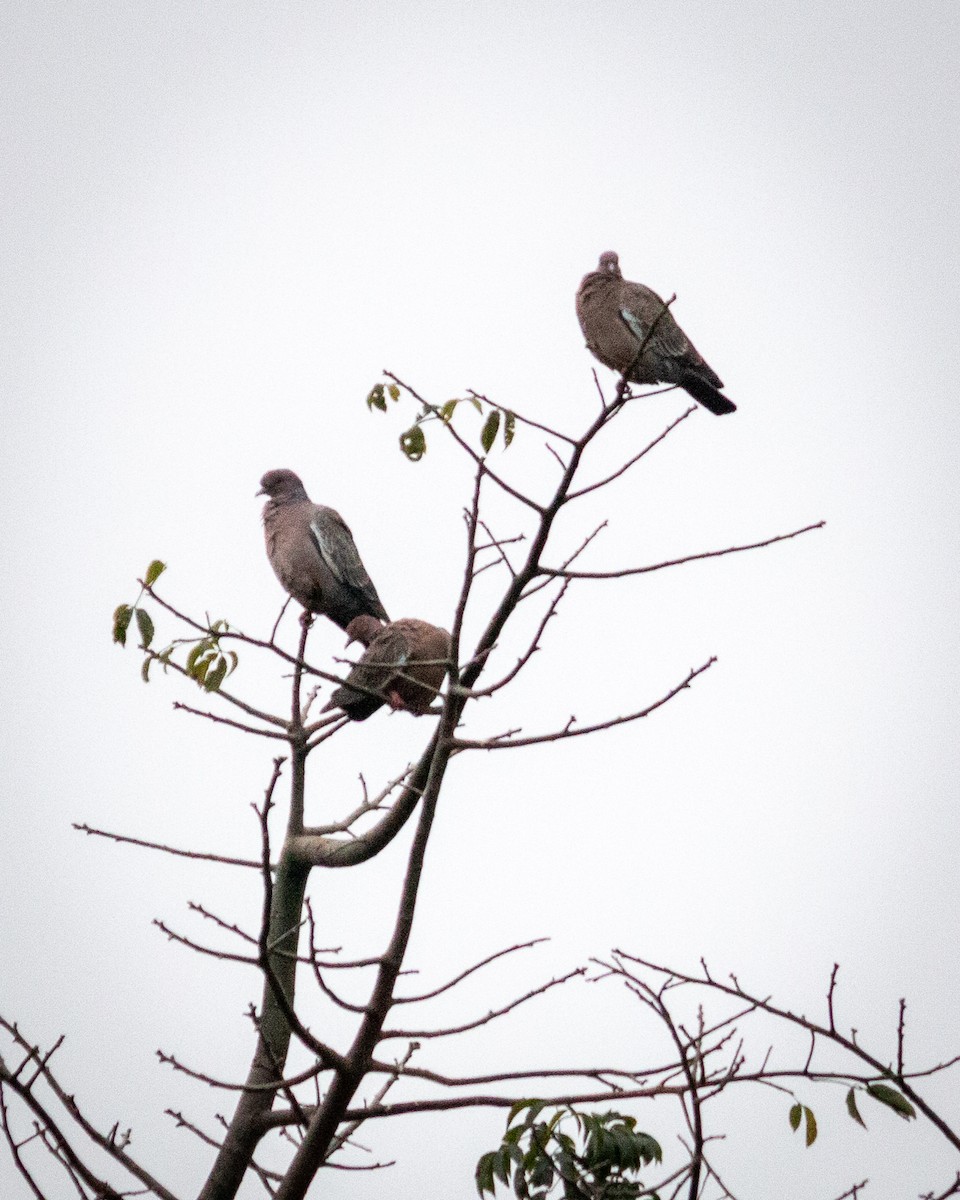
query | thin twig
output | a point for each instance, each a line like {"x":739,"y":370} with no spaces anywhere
{"x":418,"y":1034}
{"x":466,"y":447}
{"x":276,"y":624}
{"x":830,"y":993}
{"x":533,"y":647}
{"x":197,"y":854}
{"x":567,"y":731}
{"x":676,"y":562}
{"x":197,"y":712}
{"x":593,"y":487}
{"x":469,"y":971}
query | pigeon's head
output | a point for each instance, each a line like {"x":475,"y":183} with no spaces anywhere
{"x":363,"y":629}
{"x":282,"y":485}
{"x":609,"y":264}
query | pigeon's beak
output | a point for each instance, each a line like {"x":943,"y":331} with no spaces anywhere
{"x":348,"y":643}
{"x":262,"y":492}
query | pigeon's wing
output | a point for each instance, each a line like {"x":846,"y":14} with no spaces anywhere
{"x":388,"y":653}
{"x":374,"y":673}
{"x":641,"y":310}
{"x":674,"y":356}
{"x":338,"y":550}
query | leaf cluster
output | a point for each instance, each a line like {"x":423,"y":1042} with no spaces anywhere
{"x":879,"y":1091}
{"x":124,"y":613}
{"x":206,"y":662}
{"x":537,"y":1156}
{"x":413,"y":441}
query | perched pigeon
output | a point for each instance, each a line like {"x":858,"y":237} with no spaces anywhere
{"x":616,"y":315}
{"x":404,"y":663}
{"x":312,"y":553}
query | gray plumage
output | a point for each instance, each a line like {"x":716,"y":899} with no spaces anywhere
{"x":616,"y":315}
{"x":312,"y":553}
{"x":404,"y":664}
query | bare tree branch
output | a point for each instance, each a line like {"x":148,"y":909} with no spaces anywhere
{"x":602,"y":483}
{"x":469,"y":971}
{"x":15,"y":1147}
{"x":423,"y":1034}
{"x":533,"y":647}
{"x":676,"y":562}
{"x":514,"y":742}
{"x":210,"y":951}
{"x":62,"y":1145}
{"x":201,"y":856}
{"x":881,"y":1072}
{"x":197,"y":712}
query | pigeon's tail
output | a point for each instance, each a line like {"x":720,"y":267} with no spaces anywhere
{"x":357,"y":705}
{"x":706,"y":394}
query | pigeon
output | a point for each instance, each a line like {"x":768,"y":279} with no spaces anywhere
{"x":312,"y":553}
{"x":404,"y":664}
{"x":616,"y":317}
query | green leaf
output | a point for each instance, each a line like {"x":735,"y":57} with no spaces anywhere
{"x":234,"y":661}
{"x":811,"y":1125}
{"x":488,"y":433}
{"x":565,"y":1141}
{"x":203,"y":665}
{"x":795,"y":1114}
{"x":394,"y":392}
{"x":447,"y":410}
{"x":476,"y":403}
{"x":543,"y":1174}
{"x":518,"y":1108}
{"x":484,"y":1173}
{"x":515,"y":1153}
{"x":501,"y":1165}
{"x":376,"y":398}
{"x":539,"y":1140}
{"x":145,"y":625}
{"x":509,"y":428}
{"x":555,"y":1121}
{"x":154,"y":571}
{"x":892,"y":1099}
{"x":567,"y":1167}
{"x":413,"y":443}
{"x":121,"y":623}
{"x":145,"y":669}
{"x":536,"y":1108}
{"x":200,"y":648}
{"x":215,"y":677}
{"x":852,"y":1108}
{"x":649,"y":1148}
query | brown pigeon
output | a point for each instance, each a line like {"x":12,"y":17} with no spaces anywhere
{"x":313,"y":554}
{"x":616,"y":315}
{"x":404,"y":663}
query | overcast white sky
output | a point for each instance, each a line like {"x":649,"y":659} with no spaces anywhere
{"x":222,"y":220}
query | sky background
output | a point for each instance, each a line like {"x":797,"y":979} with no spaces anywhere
{"x":222,"y":221}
